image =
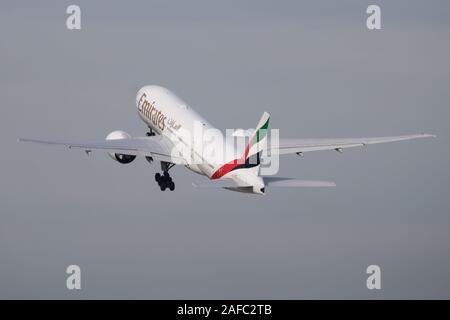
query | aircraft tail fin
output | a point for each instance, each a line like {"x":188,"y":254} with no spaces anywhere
{"x":257,"y":142}
{"x":251,"y":157}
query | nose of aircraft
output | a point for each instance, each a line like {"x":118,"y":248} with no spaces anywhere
{"x":140,"y":95}
{"x":150,"y":92}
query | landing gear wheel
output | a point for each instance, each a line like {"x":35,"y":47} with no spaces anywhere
{"x":164,"y":179}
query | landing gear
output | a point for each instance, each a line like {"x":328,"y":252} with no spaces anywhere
{"x":150,"y":132}
{"x":165,"y":180}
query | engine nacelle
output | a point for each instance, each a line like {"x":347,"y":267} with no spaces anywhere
{"x":122,"y":158}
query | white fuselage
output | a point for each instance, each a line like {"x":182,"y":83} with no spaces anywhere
{"x":168,"y":115}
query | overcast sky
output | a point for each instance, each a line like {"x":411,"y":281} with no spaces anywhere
{"x":319,"y":72}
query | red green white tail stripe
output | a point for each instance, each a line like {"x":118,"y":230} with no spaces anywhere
{"x":255,"y":146}
{"x":259,"y":138}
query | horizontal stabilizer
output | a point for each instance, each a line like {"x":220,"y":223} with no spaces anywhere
{"x":268,"y":181}
{"x":291,"y":182}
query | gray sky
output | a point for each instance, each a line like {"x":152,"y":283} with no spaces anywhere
{"x":319,"y":72}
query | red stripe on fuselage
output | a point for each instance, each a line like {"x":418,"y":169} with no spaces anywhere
{"x":227,"y":167}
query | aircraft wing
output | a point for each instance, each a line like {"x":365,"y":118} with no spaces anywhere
{"x":289,"y":146}
{"x":157,"y":147}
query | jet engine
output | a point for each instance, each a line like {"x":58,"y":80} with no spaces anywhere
{"x":122,"y":158}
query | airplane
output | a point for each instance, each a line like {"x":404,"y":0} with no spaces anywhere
{"x":169,"y":119}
